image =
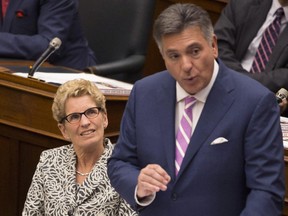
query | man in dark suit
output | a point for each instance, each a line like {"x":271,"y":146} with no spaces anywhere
{"x":233,"y":164}
{"x":29,"y":26}
{"x":239,"y":31}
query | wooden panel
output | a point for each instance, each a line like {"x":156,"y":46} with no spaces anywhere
{"x":21,"y":149}
{"x":8,"y":180}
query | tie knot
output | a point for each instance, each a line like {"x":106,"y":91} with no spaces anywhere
{"x":189,"y":101}
{"x":279,"y":13}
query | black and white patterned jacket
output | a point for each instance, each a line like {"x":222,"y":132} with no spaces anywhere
{"x":54,"y":190}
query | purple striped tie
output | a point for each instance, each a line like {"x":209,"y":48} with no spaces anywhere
{"x":184,"y":132}
{"x":267,"y":43}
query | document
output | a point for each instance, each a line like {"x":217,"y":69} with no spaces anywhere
{"x":106,"y":85}
{"x":284,"y":127}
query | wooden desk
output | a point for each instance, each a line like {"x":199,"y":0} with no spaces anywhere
{"x":27,"y":128}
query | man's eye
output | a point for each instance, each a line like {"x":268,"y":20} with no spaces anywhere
{"x":195,"y":52}
{"x":173,"y":56}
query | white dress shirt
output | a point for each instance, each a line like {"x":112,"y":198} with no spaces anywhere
{"x":252,"y":49}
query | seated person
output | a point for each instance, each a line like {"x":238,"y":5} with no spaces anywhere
{"x":72,"y":179}
{"x":27,"y":28}
{"x":239,"y":31}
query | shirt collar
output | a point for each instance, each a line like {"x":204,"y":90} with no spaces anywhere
{"x":202,"y":94}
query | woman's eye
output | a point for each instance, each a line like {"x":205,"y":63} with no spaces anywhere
{"x":91,"y":112}
{"x":74,"y":117}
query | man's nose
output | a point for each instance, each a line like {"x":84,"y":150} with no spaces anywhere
{"x":187,"y":63}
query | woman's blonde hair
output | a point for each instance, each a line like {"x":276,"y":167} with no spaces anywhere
{"x":76,"y":88}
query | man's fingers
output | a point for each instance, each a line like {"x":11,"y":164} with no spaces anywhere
{"x":151,"y":179}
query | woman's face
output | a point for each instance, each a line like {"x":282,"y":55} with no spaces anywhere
{"x":88,"y":132}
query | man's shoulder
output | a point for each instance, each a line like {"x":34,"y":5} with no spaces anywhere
{"x":158,"y":79}
{"x":155,"y":85}
{"x":156,"y":76}
{"x":241,"y":81}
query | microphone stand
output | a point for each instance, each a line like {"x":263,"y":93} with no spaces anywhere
{"x":39,"y":62}
{"x":53,"y":46}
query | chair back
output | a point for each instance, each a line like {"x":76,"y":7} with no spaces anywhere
{"x":118,"y":32}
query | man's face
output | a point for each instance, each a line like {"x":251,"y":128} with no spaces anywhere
{"x":189,"y":58}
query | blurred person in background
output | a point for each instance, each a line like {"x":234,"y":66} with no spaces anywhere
{"x":27,"y":27}
{"x":241,"y":36}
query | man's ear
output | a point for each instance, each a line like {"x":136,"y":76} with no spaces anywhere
{"x":215,"y":46}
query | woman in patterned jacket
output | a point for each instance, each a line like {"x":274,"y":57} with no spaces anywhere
{"x":72,"y":179}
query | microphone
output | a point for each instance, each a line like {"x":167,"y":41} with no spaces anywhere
{"x":281,"y":94}
{"x":54,"y":44}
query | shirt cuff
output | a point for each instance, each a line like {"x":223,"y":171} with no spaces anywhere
{"x":145,"y":201}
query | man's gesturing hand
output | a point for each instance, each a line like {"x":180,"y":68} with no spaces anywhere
{"x":151,"y":179}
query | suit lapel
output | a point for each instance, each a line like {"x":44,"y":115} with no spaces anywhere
{"x":90,"y":186}
{"x":97,"y":181}
{"x":68,"y":170}
{"x":253,"y":24}
{"x":166,"y":119}
{"x":213,"y":111}
{"x":278,"y":49}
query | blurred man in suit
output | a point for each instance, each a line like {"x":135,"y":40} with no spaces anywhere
{"x":27,"y":27}
{"x":232,"y":161}
{"x":240,"y":30}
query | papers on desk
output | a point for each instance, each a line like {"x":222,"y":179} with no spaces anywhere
{"x":106,"y":85}
{"x":284,"y":127}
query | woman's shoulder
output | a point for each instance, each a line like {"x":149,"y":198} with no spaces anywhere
{"x":57,"y":152}
{"x":108,"y":147}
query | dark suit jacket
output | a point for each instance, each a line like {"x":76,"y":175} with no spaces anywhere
{"x":29,"y":26}
{"x":236,"y":28}
{"x":244,"y":176}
